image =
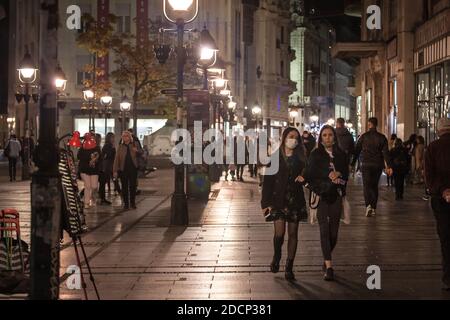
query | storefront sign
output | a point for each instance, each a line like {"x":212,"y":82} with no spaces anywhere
{"x":102,"y":16}
{"x":433,"y":29}
{"x":142,"y":22}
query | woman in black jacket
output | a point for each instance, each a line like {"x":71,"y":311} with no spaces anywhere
{"x":283,"y":200}
{"x":108,"y":156}
{"x":401,"y":162}
{"x":327,"y":174}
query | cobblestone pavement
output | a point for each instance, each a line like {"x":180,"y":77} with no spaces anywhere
{"x":225,"y":251}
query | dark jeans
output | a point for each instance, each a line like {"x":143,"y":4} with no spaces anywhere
{"x":104,"y":180}
{"x":129,"y":187}
{"x":329,"y":217}
{"x":240,"y":171}
{"x":399,"y":179}
{"x":12,"y":168}
{"x":371,"y":179}
{"x":442,"y":213}
{"x":253,"y":170}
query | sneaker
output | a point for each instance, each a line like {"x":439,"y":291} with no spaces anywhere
{"x":369,"y":211}
{"x":374,"y":212}
{"x":425,"y":197}
{"x":329,"y":275}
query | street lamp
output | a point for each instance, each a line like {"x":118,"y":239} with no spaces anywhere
{"x":27,"y":76}
{"x":208,"y":54}
{"x":257,"y":111}
{"x":60,"y":84}
{"x":293,"y":114}
{"x":180,"y":12}
{"x":125,"y":107}
{"x":60,"y":79}
{"x":89,"y":96}
{"x":106,"y":101}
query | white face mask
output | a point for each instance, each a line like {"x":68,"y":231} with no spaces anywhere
{"x":291,"y":143}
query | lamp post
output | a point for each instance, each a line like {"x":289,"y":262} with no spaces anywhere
{"x":180,"y":12}
{"x":60,"y":84}
{"x":106,"y":101}
{"x":89,"y":97}
{"x":218,"y":85}
{"x":27,"y":76}
{"x":208,"y":54}
{"x":257,"y":114}
{"x":125,"y":107}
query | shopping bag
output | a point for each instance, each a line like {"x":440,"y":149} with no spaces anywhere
{"x":346,"y":211}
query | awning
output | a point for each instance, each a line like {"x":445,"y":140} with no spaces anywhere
{"x":343,"y":50}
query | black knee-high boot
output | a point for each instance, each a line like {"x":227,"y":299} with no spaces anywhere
{"x":289,"y":274}
{"x":277,"y":247}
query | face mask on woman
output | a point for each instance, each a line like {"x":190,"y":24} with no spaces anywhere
{"x":291,"y":143}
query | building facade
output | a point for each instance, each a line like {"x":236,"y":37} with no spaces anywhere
{"x":401,"y":78}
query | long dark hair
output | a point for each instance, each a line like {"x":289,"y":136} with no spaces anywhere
{"x":321,"y":147}
{"x":299,"y":150}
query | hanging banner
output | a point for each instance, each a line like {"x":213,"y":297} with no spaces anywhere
{"x":102,"y":17}
{"x":142,"y":23}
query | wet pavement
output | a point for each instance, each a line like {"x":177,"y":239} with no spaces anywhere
{"x":225,"y":251}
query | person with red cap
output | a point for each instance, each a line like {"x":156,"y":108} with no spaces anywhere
{"x":89,"y":167}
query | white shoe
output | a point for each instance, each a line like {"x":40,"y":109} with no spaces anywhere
{"x":374,"y":212}
{"x":369,"y":211}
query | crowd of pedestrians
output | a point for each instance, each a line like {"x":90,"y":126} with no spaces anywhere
{"x":319,"y":168}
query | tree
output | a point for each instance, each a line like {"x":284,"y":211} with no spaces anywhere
{"x":136,"y":67}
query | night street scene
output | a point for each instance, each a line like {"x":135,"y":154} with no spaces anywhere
{"x":243,"y":151}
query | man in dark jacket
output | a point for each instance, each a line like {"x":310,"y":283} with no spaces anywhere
{"x":373,"y":146}
{"x":309,"y":142}
{"x":345,"y":139}
{"x":437,"y":178}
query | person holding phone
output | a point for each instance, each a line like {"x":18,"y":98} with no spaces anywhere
{"x":283,"y":200}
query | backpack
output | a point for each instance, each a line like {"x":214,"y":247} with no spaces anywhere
{"x":7,"y":150}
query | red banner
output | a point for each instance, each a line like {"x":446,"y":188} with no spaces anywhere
{"x":102,"y":17}
{"x":142,"y":22}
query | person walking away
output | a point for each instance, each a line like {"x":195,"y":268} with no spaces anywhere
{"x":327,"y":174}
{"x":283,"y":200}
{"x":373,"y":146}
{"x":345,"y":140}
{"x":400,"y":160}
{"x":108,"y":156}
{"x":410,"y":145}
{"x":437,"y":179}
{"x":240,"y":160}
{"x":13,"y":149}
{"x":419,"y":154}
{"x":89,"y":157}
{"x":390,"y":179}
{"x":126,"y":168}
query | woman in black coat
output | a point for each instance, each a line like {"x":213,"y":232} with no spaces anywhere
{"x":401,"y":163}
{"x":283,"y":200}
{"x":327,"y":174}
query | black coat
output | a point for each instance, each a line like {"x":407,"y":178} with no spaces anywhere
{"x":275,"y":186}
{"x":345,"y":141}
{"x":373,"y":147}
{"x":401,"y":160}
{"x":318,"y":170}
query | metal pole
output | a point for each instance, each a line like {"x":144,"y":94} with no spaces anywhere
{"x":179,"y":208}
{"x":45,"y":190}
{"x":27,"y":145}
